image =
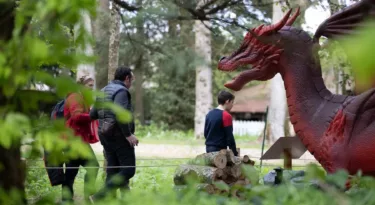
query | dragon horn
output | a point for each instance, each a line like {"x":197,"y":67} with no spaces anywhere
{"x":275,"y":27}
{"x":293,"y":18}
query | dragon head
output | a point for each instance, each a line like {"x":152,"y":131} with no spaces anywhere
{"x":259,"y":50}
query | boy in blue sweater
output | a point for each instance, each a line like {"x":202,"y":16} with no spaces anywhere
{"x":218,"y":128}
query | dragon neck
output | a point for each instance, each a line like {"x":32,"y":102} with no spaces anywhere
{"x":307,"y":96}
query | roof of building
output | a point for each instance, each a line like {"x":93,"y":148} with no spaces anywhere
{"x":252,"y":99}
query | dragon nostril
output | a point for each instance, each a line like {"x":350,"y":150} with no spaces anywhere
{"x":222,"y":58}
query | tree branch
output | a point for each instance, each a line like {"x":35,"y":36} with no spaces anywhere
{"x":205,"y":6}
{"x":223,"y":6}
{"x":155,"y":49}
{"x":126,"y":6}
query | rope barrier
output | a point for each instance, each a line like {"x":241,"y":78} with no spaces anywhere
{"x":108,"y":167}
{"x":166,"y":159}
{"x":142,"y":166}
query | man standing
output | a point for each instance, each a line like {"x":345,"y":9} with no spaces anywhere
{"x":117,"y":138}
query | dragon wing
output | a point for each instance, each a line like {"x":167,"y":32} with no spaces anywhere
{"x":347,"y":20}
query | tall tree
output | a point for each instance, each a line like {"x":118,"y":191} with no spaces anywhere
{"x":203,"y":82}
{"x":278,"y":107}
{"x":101,"y":33}
{"x":114,"y":41}
{"x":139,"y":68}
{"x":86,"y":69}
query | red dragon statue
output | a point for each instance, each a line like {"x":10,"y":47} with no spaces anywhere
{"x":338,"y":130}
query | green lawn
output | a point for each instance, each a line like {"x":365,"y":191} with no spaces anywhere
{"x":196,"y":142}
{"x":146,"y":179}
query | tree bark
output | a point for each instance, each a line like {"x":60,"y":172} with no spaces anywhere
{"x":12,"y":174}
{"x":200,"y":174}
{"x":203,"y":82}
{"x":216,"y":159}
{"x":86,"y":69}
{"x":114,"y":42}
{"x":231,"y":159}
{"x":12,"y":169}
{"x":101,"y":32}
{"x":139,"y":71}
{"x":277,"y":108}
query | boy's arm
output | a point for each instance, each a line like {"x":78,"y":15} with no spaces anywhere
{"x":228,"y":128}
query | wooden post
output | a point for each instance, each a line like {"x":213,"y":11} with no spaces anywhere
{"x":287,"y":158}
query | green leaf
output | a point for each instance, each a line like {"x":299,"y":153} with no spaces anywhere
{"x":6,"y":140}
{"x":360,"y":49}
{"x":221,"y":185}
{"x":314,"y":172}
{"x":122,"y":114}
{"x":13,"y":127}
{"x":251,"y":173}
{"x":38,"y":50}
{"x":339,"y":178}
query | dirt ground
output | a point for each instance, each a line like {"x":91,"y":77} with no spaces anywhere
{"x":169,"y":151}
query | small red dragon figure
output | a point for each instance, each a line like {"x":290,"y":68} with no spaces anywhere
{"x":338,"y":130}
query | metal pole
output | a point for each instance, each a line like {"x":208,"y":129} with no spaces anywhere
{"x":264,"y":138}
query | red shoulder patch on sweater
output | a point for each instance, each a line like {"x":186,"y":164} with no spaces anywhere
{"x":227,"y":119}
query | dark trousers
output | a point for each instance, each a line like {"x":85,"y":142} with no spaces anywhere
{"x":71,"y":173}
{"x":210,"y":148}
{"x":118,"y":177}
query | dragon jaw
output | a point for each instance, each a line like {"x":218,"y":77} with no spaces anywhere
{"x":263,"y":57}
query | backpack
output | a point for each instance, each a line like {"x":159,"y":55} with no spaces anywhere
{"x":58,"y":110}
{"x":56,"y":176}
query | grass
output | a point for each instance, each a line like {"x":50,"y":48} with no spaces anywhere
{"x":200,"y":142}
{"x":145,"y":179}
{"x":154,"y":134}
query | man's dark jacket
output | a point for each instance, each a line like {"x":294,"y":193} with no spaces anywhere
{"x":111,"y":132}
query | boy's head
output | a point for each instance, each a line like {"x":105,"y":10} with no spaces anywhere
{"x":225,"y":99}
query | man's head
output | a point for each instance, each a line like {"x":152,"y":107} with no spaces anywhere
{"x":125,"y":75}
{"x":225,"y":99}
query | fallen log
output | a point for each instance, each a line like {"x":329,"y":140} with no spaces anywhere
{"x":246,"y":160}
{"x":234,"y":171}
{"x":200,"y":174}
{"x":216,"y":159}
{"x":231,"y":159}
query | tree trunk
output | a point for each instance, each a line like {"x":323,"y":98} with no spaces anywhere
{"x":12,"y":169}
{"x":246,"y":160}
{"x":86,"y":69}
{"x":101,"y":32}
{"x":12,"y":174}
{"x":233,"y":171}
{"x":114,"y":42}
{"x":216,"y":159}
{"x":138,"y":71}
{"x":277,"y":108}
{"x":231,"y":159}
{"x":199,"y":174}
{"x":203,"y":82}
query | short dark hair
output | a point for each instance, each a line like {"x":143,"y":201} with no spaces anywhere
{"x":223,"y":96}
{"x":122,"y":72}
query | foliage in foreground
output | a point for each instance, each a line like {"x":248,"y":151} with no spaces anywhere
{"x":154,"y":185}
